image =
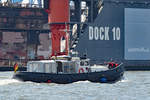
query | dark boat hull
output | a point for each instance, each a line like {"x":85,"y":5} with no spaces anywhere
{"x":107,"y":76}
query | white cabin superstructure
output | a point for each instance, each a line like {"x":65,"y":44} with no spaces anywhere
{"x":43,"y":66}
{"x":59,"y":66}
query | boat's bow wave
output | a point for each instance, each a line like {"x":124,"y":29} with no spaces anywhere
{"x":124,"y":80}
{"x":79,"y":82}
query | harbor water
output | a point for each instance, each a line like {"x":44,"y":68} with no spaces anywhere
{"x":134,"y":86}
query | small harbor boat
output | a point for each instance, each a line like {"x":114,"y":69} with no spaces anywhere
{"x":61,"y":68}
{"x":64,"y":71}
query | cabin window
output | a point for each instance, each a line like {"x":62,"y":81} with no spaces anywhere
{"x":69,"y":67}
{"x":66,"y":69}
{"x":37,"y":67}
{"x":30,"y":67}
{"x":40,"y":67}
{"x":86,"y":63}
{"x":82,"y":63}
{"x":72,"y":69}
{"x":34,"y":67}
{"x":48,"y":68}
{"x":53,"y":66}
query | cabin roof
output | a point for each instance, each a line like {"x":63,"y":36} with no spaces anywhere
{"x":42,"y":61}
{"x":48,"y":61}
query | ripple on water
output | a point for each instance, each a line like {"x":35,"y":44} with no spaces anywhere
{"x":135,"y":86}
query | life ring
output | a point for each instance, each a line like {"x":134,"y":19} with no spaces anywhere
{"x":81,"y":69}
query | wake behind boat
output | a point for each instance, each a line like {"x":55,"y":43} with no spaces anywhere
{"x":69,"y":71}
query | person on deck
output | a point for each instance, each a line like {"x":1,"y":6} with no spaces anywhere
{"x":112,"y":65}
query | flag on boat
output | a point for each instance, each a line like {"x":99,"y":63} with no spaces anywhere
{"x":15,"y":67}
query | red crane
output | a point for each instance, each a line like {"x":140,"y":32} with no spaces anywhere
{"x":58,"y":17}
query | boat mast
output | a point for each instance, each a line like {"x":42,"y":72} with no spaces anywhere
{"x":58,"y":17}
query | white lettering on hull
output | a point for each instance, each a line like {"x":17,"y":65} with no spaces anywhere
{"x":90,"y":33}
{"x":116,"y":33}
{"x":102,"y":33}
